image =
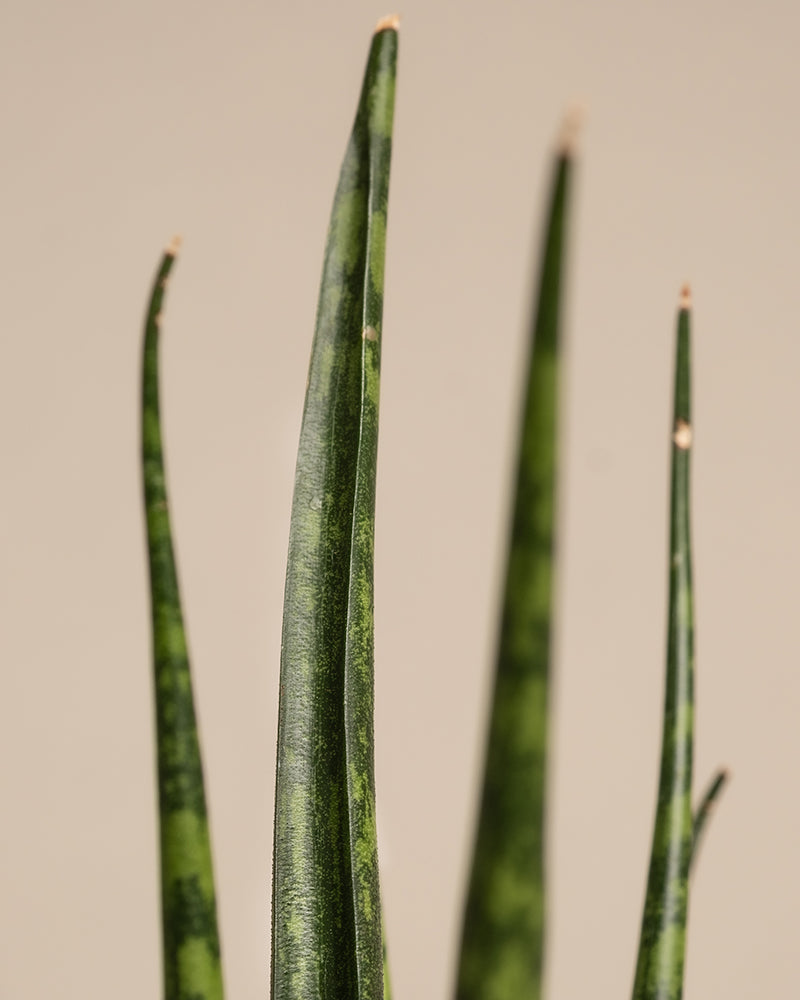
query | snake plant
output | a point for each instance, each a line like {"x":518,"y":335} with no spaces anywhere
{"x":327,"y":933}
{"x":189,"y":919}
{"x":326,"y":913}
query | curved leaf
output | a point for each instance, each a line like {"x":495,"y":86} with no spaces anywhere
{"x":192,"y":966}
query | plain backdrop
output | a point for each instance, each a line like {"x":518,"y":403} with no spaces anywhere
{"x":125,"y":123}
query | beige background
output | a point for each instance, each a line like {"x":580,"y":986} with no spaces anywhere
{"x":123,"y":123}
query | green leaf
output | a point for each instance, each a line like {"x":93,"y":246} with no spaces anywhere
{"x":704,"y":810}
{"x":326,"y":934}
{"x":659,"y":969}
{"x":502,"y":935}
{"x":192,"y":969}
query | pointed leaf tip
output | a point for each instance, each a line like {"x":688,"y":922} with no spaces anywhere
{"x":174,"y":246}
{"x":685,"y":301}
{"x":707,"y":805}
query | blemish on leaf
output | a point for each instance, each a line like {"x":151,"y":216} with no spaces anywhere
{"x":683,"y":435}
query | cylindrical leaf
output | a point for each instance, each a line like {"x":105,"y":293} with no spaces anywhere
{"x":704,"y":810}
{"x":502,"y":935}
{"x":191,"y":941}
{"x":659,"y":970}
{"x":326,"y":937}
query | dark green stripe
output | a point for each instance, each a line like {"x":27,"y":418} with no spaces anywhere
{"x":502,"y":936}
{"x":659,"y":970}
{"x":192,"y":969}
{"x":326,"y":938}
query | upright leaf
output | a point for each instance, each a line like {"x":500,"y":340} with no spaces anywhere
{"x":502,"y":935}
{"x":326,"y":934}
{"x":659,"y":970}
{"x":192,"y":969}
{"x":707,"y":805}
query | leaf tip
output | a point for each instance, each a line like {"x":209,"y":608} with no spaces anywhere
{"x":571,"y":125}
{"x":685,"y":300}
{"x":174,"y":246}
{"x":389,"y":23}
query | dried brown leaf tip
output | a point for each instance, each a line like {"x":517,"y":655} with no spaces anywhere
{"x":685,"y":301}
{"x":571,"y":126}
{"x":389,"y":23}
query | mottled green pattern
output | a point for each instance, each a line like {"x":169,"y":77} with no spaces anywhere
{"x":704,"y":810}
{"x":502,"y":936}
{"x":659,"y":970}
{"x":326,"y":936}
{"x":192,"y":969}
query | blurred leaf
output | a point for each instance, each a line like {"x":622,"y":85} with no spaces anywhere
{"x":704,"y":810}
{"x":502,"y":935}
